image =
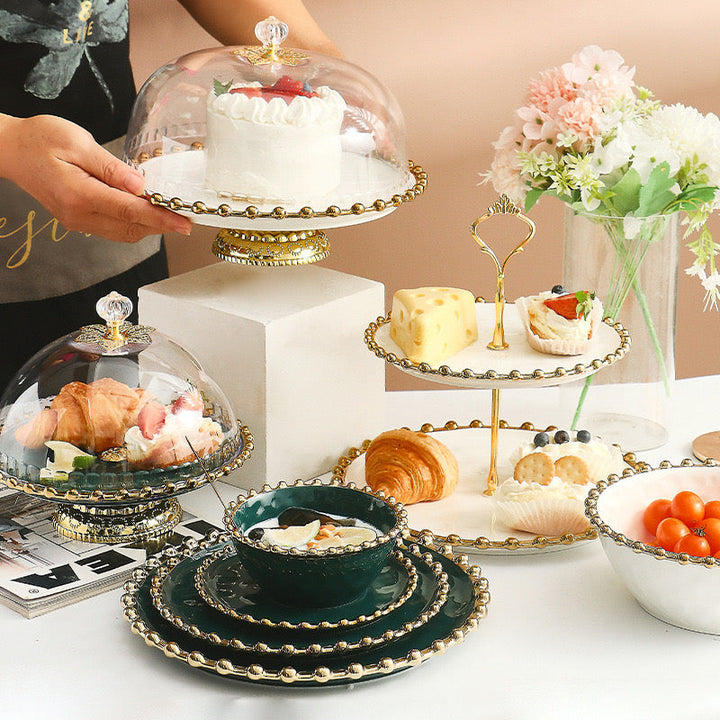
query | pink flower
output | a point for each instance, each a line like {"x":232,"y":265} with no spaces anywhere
{"x":538,"y":128}
{"x":548,"y":87}
{"x":604,"y":89}
{"x":506,"y":174}
{"x":579,"y":117}
{"x":593,"y":60}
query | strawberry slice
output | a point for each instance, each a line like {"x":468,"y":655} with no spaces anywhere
{"x":189,"y":400}
{"x":151,"y":418}
{"x":572,"y":306}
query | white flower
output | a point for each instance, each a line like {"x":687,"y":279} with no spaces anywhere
{"x":590,"y":201}
{"x":692,"y":136}
{"x":697,"y":269}
{"x":711,"y":286}
{"x":649,"y":149}
{"x":613,"y":155}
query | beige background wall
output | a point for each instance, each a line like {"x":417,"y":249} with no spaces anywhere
{"x":459,"y":69}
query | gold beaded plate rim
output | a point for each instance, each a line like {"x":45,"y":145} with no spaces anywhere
{"x":508,"y":545}
{"x":320,"y":675}
{"x":397,"y":531}
{"x":637,"y":546}
{"x":490,"y":378}
{"x":305,"y":624}
{"x":305,"y":217}
{"x":436,"y":602}
{"x":131,"y":496}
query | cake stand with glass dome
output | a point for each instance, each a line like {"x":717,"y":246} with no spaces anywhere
{"x":506,"y":361}
{"x":273,"y":174}
{"x":112,"y":422}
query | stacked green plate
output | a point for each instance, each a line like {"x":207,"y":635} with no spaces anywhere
{"x":197,"y":604}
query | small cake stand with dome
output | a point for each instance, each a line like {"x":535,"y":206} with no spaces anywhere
{"x":168,"y":141}
{"x":507,"y":361}
{"x":112,"y":422}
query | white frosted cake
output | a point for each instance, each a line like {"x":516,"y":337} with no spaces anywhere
{"x":273,"y":143}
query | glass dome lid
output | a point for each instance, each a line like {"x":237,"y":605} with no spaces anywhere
{"x":115,"y":413}
{"x":281,"y":137}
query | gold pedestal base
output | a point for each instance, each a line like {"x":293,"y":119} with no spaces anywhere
{"x":271,"y":248}
{"x":120,"y":524}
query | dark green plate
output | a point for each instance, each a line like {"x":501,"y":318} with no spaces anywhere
{"x":176,"y":598}
{"x":467,"y":601}
{"x":224,"y":584}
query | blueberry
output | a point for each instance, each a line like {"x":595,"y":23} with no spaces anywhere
{"x":562,"y":436}
{"x":541,"y":439}
{"x":584,"y":436}
{"x":558,"y":290}
{"x":307,"y":87}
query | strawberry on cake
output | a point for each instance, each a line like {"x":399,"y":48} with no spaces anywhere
{"x":161,"y":435}
{"x":278,"y":142}
{"x":559,"y":322}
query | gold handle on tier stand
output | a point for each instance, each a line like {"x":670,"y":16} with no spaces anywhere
{"x":503,"y":206}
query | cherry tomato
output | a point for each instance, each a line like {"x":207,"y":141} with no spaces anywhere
{"x":693,"y":544}
{"x":669,"y":531}
{"x":709,"y":528}
{"x":688,"y":507}
{"x":656,"y":511}
{"x":712,"y":509}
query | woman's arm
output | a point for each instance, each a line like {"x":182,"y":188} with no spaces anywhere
{"x":232,"y":22}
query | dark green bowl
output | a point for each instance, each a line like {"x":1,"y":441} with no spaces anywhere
{"x":315,"y":578}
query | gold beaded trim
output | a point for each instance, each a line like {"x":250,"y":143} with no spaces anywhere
{"x":133,"y":495}
{"x":635,"y":545}
{"x":305,"y":625}
{"x":319,"y":675}
{"x":364,"y":643}
{"x":491,"y":375}
{"x":397,"y":531}
{"x":252,"y":212}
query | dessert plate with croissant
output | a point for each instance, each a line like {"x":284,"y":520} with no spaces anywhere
{"x":440,"y":475}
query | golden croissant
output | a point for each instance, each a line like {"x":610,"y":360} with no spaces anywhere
{"x":411,"y":466}
{"x":92,"y":416}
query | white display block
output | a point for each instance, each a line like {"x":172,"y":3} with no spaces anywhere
{"x":285,"y":344}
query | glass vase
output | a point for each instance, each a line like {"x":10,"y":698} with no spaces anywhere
{"x":632,"y":265}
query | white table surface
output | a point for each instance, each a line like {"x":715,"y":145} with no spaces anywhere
{"x":562,"y":638}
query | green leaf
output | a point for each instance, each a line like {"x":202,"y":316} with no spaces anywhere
{"x":655,"y":195}
{"x":532,"y":197}
{"x":585,"y":302}
{"x":626,"y":193}
{"x":690,"y":198}
{"x":220,"y":88}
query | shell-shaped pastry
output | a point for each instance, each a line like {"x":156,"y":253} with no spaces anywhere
{"x":411,"y":466}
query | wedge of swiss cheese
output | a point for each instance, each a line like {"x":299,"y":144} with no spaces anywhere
{"x":431,"y":324}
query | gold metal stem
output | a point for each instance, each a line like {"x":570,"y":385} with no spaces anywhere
{"x":492,"y":481}
{"x":502,"y":206}
{"x":498,"y":341}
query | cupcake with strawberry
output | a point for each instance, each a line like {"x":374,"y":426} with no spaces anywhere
{"x":559,"y":322}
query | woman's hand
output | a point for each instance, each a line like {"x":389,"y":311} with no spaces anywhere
{"x":83,"y":185}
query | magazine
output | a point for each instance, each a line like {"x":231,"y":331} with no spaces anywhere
{"x":41,"y":570}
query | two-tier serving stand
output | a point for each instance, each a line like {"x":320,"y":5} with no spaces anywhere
{"x":506,"y":361}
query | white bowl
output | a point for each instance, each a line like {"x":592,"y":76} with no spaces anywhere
{"x":676,"y":588}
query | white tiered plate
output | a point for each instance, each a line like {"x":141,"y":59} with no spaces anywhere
{"x":479,"y":367}
{"x":466,"y":518}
